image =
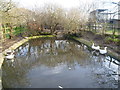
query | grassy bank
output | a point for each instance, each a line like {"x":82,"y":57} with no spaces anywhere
{"x":89,"y":44}
{"x":34,"y":37}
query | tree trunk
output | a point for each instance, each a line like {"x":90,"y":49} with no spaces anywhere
{"x":95,"y":27}
{"x":54,"y":28}
{"x":113,"y":31}
{"x":41,"y":27}
{"x":3,"y":30}
{"x":10,"y":35}
{"x":51,"y":29}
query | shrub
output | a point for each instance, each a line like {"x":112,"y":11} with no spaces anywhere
{"x":115,"y":36}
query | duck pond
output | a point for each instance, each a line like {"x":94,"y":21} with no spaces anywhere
{"x":57,"y":63}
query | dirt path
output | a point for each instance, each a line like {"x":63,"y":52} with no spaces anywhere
{"x":9,"y":42}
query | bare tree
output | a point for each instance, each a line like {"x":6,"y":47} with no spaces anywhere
{"x":73,"y":20}
{"x":5,"y":7}
{"x":54,"y":16}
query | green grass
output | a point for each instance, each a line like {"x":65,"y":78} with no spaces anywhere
{"x":33,"y":37}
{"x":117,"y":32}
{"x":111,"y":32}
{"x":111,"y":39}
{"x":45,"y":33}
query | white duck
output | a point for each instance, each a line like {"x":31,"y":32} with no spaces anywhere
{"x":10,"y":56}
{"x":95,"y":47}
{"x":26,"y":37}
{"x":104,"y":51}
{"x":60,"y":87}
{"x":9,"y":52}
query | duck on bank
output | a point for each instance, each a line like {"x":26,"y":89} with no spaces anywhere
{"x":10,"y":55}
{"x":95,"y":47}
{"x":103,"y":51}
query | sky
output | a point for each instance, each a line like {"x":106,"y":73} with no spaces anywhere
{"x":64,"y":3}
{"x":67,"y":4}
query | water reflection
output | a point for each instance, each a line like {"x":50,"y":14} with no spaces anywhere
{"x":59,"y":62}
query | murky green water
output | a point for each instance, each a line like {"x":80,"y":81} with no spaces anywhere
{"x":43,"y":63}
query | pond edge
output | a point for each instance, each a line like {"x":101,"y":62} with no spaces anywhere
{"x":15,"y":46}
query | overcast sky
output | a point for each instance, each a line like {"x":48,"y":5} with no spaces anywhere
{"x":64,"y":3}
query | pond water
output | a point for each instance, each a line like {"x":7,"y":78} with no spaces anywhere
{"x":51,"y":63}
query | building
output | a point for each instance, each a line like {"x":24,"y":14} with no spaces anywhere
{"x":98,"y":15}
{"x":115,"y":23}
{"x":101,"y":16}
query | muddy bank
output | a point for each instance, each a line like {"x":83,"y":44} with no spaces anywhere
{"x":101,"y":40}
{"x":88,"y":39}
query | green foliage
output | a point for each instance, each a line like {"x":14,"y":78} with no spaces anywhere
{"x":7,"y":36}
{"x":19,"y":30}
